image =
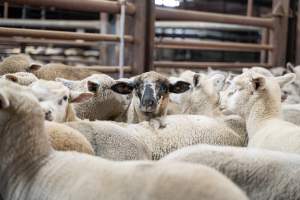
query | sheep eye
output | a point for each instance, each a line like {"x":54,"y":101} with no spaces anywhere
{"x":163,"y":88}
{"x":65,"y":98}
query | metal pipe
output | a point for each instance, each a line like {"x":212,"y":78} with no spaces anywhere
{"x":44,"y":42}
{"x":112,"y":7}
{"x":250,"y":8}
{"x":187,"y":15}
{"x":122,"y":42}
{"x":109,"y":69}
{"x":211,"y":45}
{"x":61,"y":35}
{"x":5,"y":10}
{"x":200,"y":65}
{"x":36,"y":23}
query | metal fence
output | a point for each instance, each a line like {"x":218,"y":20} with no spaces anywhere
{"x":139,"y":33}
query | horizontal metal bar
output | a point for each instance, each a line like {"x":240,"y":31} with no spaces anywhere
{"x":112,"y":7}
{"x":62,"y":24}
{"x":210,"y":45}
{"x":204,"y":26}
{"x":45,"y":42}
{"x":108,"y":69}
{"x":61,"y":35}
{"x":201,"y":65}
{"x":187,"y":15}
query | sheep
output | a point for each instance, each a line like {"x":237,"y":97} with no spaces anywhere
{"x":150,"y":96}
{"x":257,"y":99}
{"x":181,"y":131}
{"x":22,"y":78}
{"x":64,"y":138}
{"x":18,"y":63}
{"x":203,"y":99}
{"x":262,"y":174}
{"x":31,"y":169}
{"x":57,"y":100}
{"x":290,"y":96}
{"x":105,"y":105}
{"x":23,"y":63}
{"x":111,"y":141}
{"x":291,"y":113}
{"x":290,"y":92}
{"x":112,"y":144}
{"x":54,"y":70}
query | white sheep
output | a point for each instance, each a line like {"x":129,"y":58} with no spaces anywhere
{"x":23,"y":63}
{"x":290,"y":92}
{"x":22,"y":78}
{"x":105,"y":104}
{"x":18,"y":63}
{"x":203,"y":99}
{"x":291,"y":113}
{"x":31,"y":169}
{"x":290,"y":96}
{"x":57,"y":100}
{"x":181,"y":131}
{"x":113,"y":143}
{"x":257,"y":99}
{"x":262,"y":174}
{"x":65,"y":138}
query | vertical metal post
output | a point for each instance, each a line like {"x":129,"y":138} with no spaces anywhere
{"x":5,"y":10}
{"x":264,"y":40}
{"x":250,"y":8}
{"x":280,"y":31}
{"x":122,"y":41}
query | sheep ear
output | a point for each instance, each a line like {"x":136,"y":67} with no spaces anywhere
{"x":245,"y":70}
{"x":93,"y":86}
{"x":122,"y":87}
{"x":11,"y":77}
{"x":179,"y":87}
{"x":209,"y":70}
{"x":34,"y":67}
{"x":259,"y":82}
{"x":79,"y":97}
{"x":196,"y":79}
{"x":65,"y":82}
{"x":218,"y":81}
{"x":285,"y":79}
{"x":290,"y":67}
{"x":4,"y":102}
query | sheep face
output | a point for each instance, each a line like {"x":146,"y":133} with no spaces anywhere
{"x":55,"y":98}
{"x":151,"y":90}
{"x":13,"y":99}
{"x":250,"y":87}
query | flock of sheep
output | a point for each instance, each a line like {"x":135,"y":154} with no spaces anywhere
{"x":68,"y":133}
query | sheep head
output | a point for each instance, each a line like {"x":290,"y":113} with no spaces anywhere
{"x":151,"y":90}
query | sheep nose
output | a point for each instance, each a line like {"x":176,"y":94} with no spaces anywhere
{"x":148,"y":102}
{"x":48,"y":115}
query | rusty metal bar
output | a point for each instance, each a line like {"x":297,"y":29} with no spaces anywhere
{"x":61,"y":35}
{"x":48,"y":23}
{"x":108,"y":69}
{"x":5,"y":10}
{"x":211,"y":45}
{"x":200,"y":65}
{"x":250,"y":8}
{"x":44,"y":42}
{"x":112,"y":7}
{"x":264,"y":41}
{"x":187,"y":15}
